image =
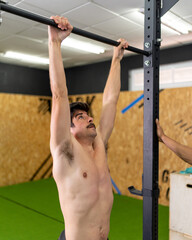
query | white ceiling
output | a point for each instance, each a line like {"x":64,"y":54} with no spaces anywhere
{"x":109,"y":18}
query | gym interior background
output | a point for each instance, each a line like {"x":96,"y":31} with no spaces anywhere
{"x":29,"y":205}
{"x":25,"y":155}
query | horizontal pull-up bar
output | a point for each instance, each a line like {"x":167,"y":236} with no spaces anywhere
{"x":41,"y":19}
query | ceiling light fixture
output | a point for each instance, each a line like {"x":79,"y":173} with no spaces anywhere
{"x":173,"y":22}
{"x":83,"y":46}
{"x":26,"y":58}
{"x":176,"y":23}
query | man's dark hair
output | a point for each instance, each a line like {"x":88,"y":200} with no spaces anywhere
{"x":78,"y":106}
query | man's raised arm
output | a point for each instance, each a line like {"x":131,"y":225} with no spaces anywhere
{"x":60,"y":116}
{"x":111,"y":93}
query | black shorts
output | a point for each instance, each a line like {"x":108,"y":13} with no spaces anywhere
{"x":62,"y":236}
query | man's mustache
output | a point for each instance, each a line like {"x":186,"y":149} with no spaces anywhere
{"x":91,"y":125}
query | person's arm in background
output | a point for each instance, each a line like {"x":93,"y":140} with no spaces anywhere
{"x":182,"y":151}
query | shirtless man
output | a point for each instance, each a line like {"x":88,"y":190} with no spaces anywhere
{"x":79,"y":149}
{"x":184,"y":152}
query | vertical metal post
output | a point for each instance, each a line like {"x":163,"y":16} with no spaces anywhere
{"x":151,"y":112}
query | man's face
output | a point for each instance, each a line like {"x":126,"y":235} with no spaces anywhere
{"x":83,"y":125}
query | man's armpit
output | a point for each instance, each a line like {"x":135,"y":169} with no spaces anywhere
{"x":67,"y":150}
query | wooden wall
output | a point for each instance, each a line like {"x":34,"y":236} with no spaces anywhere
{"x":25,"y":133}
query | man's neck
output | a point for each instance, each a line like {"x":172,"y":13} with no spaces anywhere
{"x":87,"y":144}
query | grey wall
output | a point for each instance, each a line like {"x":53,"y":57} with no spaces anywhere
{"x":80,"y":80}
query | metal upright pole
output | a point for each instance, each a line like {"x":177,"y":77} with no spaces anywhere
{"x":151,"y":112}
{"x":150,"y":187}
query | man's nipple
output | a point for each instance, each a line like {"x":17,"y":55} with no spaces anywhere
{"x":85,"y":175}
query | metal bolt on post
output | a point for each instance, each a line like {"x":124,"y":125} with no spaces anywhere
{"x":147,"y":45}
{"x":159,"y":40}
{"x":147,"y":63}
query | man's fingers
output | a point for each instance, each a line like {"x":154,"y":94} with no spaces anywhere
{"x":157,"y":121}
{"x":69,"y":26}
{"x":62,"y":22}
{"x":126,"y":45}
{"x":123,"y":43}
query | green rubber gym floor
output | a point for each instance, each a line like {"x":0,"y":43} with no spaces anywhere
{"x":31,"y":211}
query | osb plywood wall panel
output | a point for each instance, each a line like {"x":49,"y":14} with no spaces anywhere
{"x":25,"y":132}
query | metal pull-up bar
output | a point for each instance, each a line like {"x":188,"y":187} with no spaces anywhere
{"x":41,"y":19}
